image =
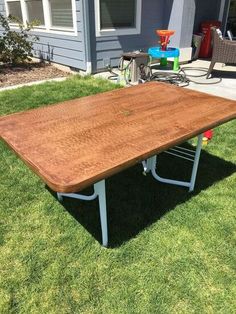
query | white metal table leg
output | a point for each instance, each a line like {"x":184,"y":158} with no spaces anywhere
{"x":151,"y":164}
{"x":100,"y":190}
{"x":59,"y":197}
{"x":147,"y":166}
{"x":195,"y":163}
{"x":164,"y":180}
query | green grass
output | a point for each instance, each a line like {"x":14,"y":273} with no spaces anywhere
{"x":171,"y":251}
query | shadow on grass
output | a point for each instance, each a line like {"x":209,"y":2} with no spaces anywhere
{"x":135,"y":201}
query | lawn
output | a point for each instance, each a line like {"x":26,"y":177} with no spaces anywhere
{"x":170,"y":251}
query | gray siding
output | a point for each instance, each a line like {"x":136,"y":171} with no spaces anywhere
{"x":184,"y":16}
{"x":108,"y":49}
{"x":64,"y":49}
{"x":179,"y":16}
{"x":67,"y":50}
{"x":2,"y":6}
{"x":156,"y":14}
{"x":173,"y":11}
{"x":187,"y":23}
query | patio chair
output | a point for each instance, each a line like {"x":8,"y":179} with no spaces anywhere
{"x":224,"y":50}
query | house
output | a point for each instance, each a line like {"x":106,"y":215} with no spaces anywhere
{"x":89,"y":35}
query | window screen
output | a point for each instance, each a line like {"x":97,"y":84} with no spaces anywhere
{"x":61,"y":13}
{"x":117,"y":14}
{"x":14,"y":9}
{"x":35,"y":11}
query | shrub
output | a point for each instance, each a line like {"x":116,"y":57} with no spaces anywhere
{"x":16,"y":46}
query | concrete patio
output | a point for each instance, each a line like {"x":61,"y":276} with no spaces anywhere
{"x":225,"y":88}
{"x":221,"y":83}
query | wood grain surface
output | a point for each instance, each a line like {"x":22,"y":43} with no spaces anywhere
{"x":76,"y":143}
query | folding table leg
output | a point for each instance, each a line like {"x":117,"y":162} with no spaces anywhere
{"x":147,"y":165}
{"x":151,"y":164}
{"x":100,"y":192}
{"x":195,"y":163}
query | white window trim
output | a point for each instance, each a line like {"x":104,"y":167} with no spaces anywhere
{"x":7,"y":12}
{"x":47,"y":28}
{"x":118,"y":31}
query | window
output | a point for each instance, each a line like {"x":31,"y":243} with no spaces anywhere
{"x":114,"y":17}
{"x":14,"y":9}
{"x":61,"y":13}
{"x":35,"y":10}
{"x":53,"y":15}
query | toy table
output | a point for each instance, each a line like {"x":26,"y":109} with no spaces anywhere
{"x":157,"y":53}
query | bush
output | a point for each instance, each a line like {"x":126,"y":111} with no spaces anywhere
{"x":16,"y":46}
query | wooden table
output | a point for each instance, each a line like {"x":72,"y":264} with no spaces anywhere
{"x":81,"y":142}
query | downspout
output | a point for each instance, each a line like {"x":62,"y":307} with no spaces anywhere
{"x":87,"y":43}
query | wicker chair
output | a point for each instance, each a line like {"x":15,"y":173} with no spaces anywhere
{"x":224,"y":50}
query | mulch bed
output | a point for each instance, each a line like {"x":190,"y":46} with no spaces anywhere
{"x":14,"y":75}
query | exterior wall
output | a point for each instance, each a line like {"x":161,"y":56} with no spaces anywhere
{"x":108,"y":49}
{"x":189,"y":8}
{"x":179,"y":15}
{"x":2,"y":7}
{"x":156,"y":14}
{"x":206,"y":11}
{"x":64,"y":49}
{"x":85,"y":50}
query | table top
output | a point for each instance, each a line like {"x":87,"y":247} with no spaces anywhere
{"x":74,"y":144}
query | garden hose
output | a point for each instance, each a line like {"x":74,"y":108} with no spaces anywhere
{"x":113,"y":76}
{"x":125,"y":69}
{"x":171,"y":78}
{"x":181,"y":78}
{"x":204,"y":70}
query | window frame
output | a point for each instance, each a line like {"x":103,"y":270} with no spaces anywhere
{"x":47,"y":28}
{"x":7,"y":11}
{"x":118,"y":31}
{"x":43,"y":26}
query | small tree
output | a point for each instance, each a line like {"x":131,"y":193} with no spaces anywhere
{"x":16,"y":46}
